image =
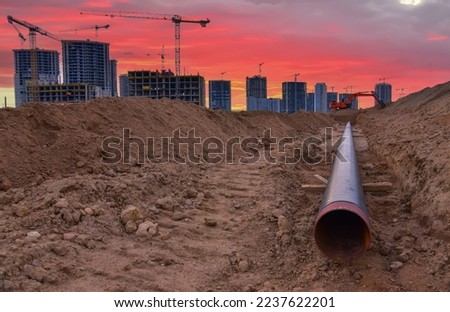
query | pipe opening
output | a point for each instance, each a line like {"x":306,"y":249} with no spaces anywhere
{"x":342,"y":235}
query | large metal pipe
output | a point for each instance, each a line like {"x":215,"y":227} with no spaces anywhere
{"x":342,"y":229}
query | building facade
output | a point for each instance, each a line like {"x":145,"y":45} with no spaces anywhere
{"x":384,"y":92}
{"x":331,"y":97}
{"x":47,"y":69}
{"x":124,"y":88}
{"x":220,"y":94}
{"x":86,"y":61}
{"x":157,"y":85}
{"x":320,"y":99}
{"x":310,"y":96}
{"x":271,"y":104}
{"x":113,"y":74}
{"x":70,"y":93}
{"x":256,"y":86}
{"x":294,"y":96}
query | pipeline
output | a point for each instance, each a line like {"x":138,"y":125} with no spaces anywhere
{"x":342,"y":229}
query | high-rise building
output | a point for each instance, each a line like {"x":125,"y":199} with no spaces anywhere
{"x":113,"y":74}
{"x":256,"y":86}
{"x":384,"y":92}
{"x":86,"y":61}
{"x":344,"y":96}
{"x":220,"y":94}
{"x":270,"y":104}
{"x":124,"y":89}
{"x":320,"y":99}
{"x":310,"y":101}
{"x":157,"y":85}
{"x":47,"y":69}
{"x":294,"y":95}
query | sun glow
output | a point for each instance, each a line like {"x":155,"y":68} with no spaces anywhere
{"x":410,"y":2}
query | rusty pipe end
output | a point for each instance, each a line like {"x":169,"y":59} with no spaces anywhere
{"x":342,"y":231}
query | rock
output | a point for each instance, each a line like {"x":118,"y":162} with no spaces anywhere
{"x":89,"y":211}
{"x":70,"y":236}
{"x":284,"y":228}
{"x":210,"y":222}
{"x":147,"y":228}
{"x":396,"y":265}
{"x":131,"y":227}
{"x":191,"y":193}
{"x":166,"y":203}
{"x":20,"y":210}
{"x":131,"y":213}
{"x":33,"y":236}
{"x":368,"y":166}
{"x":403,"y":257}
{"x":62,"y":203}
{"x":244,"y":265}
{"x":208,"y":194}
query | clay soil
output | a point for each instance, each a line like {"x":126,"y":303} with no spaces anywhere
{"x":69,"y":221}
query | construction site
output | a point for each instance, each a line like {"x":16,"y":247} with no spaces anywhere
{"x":72,"y":221}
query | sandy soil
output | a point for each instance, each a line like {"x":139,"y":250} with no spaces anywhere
{"x":70,"y":222}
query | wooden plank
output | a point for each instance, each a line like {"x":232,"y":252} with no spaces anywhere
{"x":367,"y":187}
{"x":320,"y":178}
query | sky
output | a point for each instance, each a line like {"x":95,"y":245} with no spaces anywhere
{"x":343,"y":43}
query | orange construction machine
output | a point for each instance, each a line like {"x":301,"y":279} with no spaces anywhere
{"x":348,"y":101}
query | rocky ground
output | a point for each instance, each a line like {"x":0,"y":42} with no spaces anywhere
{"x":70,"y":222}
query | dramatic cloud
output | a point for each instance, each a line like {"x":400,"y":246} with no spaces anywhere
{"x":342,"y":42}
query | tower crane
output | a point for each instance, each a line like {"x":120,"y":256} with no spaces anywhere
{"x":33,"y":29}
{"x":295,"y":77}
{"x":176,"y":19}
{"x":96,"y":27}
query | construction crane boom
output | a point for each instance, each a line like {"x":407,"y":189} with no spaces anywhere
{"x":176,"y":19}
{"x":96,"y":27}
{"x":33,"y":29}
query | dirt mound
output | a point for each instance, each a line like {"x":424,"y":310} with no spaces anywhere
{"x":413,"y":136}
{"x":41,"y":141}
{"x":71,"y":222}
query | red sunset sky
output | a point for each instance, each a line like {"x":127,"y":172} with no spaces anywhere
{"x":342,"y":43}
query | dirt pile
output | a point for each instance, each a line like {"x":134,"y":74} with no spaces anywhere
{"x":71,"y":222}
{"x":54,"y":140}
{"x":413,"y":136}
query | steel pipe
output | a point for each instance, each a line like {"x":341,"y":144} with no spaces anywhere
{"x":342,"y":229}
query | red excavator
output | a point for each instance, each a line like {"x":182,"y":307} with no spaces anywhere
{"x":348,"y":101}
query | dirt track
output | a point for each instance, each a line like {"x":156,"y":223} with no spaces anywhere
{"x":219,"y":227}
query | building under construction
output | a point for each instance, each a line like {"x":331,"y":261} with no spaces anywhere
{"x":164,"y":84}
{"x":47,"y":62}
{"x":69,"y":92}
